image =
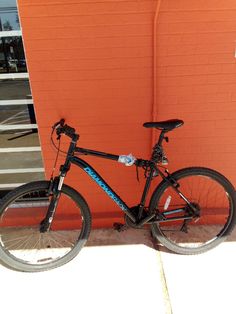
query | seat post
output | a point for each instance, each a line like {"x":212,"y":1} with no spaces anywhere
{"x":158,"y":154}
{"x":161,"y":138}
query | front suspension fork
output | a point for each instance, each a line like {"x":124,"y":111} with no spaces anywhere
{"x":54,"y":192}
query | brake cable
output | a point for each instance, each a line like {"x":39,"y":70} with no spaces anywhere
{"x":58,"y":152}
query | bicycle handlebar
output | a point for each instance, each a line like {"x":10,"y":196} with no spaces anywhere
{"x":62,"y":128}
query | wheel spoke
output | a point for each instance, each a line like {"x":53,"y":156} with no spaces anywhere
{"x":20,"y":236}
{"x":212,"y":195}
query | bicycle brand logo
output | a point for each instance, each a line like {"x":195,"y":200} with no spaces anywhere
{"x":105,"y":188}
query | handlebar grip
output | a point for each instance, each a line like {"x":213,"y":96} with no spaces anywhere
{"x":62,"y":128}
{"x":68,"y":130}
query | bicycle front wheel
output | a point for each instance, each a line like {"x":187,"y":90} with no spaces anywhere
{"x":23,"y":246}
{"x":213,"y":196}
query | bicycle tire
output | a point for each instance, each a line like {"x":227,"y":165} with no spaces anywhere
{"x":23,"y":247}
{"x":216,"y":218}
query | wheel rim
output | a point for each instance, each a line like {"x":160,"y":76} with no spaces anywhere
{"x":20,"y":234}
{"x":214,"y":212}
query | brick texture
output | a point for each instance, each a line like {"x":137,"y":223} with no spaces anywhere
{"x":91,"y":62}
{"x":196,"y":81}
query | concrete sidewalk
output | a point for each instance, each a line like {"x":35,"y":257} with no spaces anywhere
{"x":123,"y":273}
{"x":202,"y":283}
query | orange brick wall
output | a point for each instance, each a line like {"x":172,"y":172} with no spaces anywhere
{"x":197,"y":80}
{"x":91,"y":62}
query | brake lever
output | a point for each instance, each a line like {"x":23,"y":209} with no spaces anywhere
{"x":58,"y":124}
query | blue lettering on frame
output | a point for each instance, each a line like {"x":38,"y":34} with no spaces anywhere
{"x":105,"y":188}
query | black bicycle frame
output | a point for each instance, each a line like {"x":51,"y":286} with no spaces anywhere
{"x":71,"y":159}
{"x":153,"y":171}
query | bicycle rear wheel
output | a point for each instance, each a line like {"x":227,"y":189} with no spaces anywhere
{"x":23,"y":246}
{"x":207,"y":190}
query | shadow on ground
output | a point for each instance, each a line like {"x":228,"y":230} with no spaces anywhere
{"x":104,"y":237}
{"x":100,"y":237}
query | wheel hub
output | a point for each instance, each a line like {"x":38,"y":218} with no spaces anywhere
{"x":194,"y":210}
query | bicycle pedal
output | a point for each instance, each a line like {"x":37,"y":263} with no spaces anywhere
{"x":119,"y":226}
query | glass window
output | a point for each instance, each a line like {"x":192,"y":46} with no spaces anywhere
{"x":12,"y":56}
{"x":20,"y":152}
{"x":7,"y":4}
{"x":9,"y":20}
{"x":15,"y":89}
{"x":17,"y":115}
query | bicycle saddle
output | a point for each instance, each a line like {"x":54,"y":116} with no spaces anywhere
{"x":167,"y":125}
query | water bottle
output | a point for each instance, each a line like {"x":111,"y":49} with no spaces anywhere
{"x":128,"y":160}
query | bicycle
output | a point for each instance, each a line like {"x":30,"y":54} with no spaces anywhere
{"x":45,"y":224}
